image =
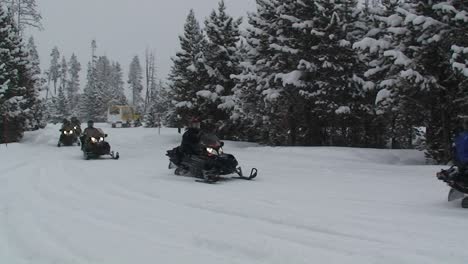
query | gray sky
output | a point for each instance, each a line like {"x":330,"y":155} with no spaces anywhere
{"x":122,"y":28}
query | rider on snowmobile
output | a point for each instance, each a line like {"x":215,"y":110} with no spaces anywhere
{"x":89,"y":132}
{"x":76,"y":124}
{"x":65,"y":123}
{"x":74,"y":121}
{"x":191,"y":137}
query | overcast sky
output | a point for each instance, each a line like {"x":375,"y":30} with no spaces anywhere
{"x":122,"y":28}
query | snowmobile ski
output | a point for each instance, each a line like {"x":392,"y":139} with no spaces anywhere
{"x":114,"y":155}
{"x":211,"y":180}
{"x":455,"y":194}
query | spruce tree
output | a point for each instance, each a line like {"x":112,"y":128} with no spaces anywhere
{"x":117,"y":85}
{"x":135,"y":79}
{"x":188,"y":75}
{"x":73,"y":85}
{"x":25,"y":13}
{"x":18,"y":94}
{"x":222,"y":60}
{"x":54,"y":70}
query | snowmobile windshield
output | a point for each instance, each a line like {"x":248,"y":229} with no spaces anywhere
{"x":210,"y":140}
{"x":96,"y":132}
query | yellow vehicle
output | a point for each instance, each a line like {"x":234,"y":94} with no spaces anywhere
{"x":123,"y":116}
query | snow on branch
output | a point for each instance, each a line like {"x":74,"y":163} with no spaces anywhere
{"x":343,"y":110}
{"x":372,"y":44}
{"x":458,"y":60}
{"x":398,"y":56}
{"x":284,"y":49}
{"x":291,"y":78}
{"x":208,"y":95}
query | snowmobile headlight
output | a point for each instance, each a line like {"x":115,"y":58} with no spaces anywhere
{"x":220,"y":151}
{"x":70,"y":132}
{"x":212,"y":151}
{"x":65,"y":132}
{"x":101,"y":139}
{"x":75,"y":127}
{"x":94,"y":140}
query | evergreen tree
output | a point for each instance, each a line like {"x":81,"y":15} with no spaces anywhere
{"x":188,"y":75}
{"x":431,"y":80}
{"x":250,"y":114}
{"x":117,"y":85}
{"x":158,"y":106}
{"x":18,"y":94}
{"x":38,"y":109}
{"x":25,"y":12}
{"x":303,"y":70}
{"x":54,"y":70}
{"x":222,"y":60}
{"x":93,"y":101}
{"x":63,"y":74}
{"x":135,"y":79}
{"x":73,"y":85}
{"x":61,"y":105}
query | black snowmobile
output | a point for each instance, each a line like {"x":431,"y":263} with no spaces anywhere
{"x":95,"y":146}
{"x":68,"y":137}
{"x":458,"y":184}
{"x":209,"y":164}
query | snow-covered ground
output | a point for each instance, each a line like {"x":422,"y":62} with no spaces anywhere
{"x":308,"y":205}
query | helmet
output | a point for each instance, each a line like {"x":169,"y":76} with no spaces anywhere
{"x":90,"y":123}
{"x":194,"y":122}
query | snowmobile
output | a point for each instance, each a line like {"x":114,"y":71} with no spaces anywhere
{"x":209,"y":164}
{"x":95,"y":146}
{"x":68,"y":137}
{"x":458,"y":184}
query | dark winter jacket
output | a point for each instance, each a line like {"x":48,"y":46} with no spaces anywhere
{"x":190,"y":141}
{"x":461,"y":149}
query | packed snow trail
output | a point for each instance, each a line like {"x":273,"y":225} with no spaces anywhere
{"x":308,"y":205}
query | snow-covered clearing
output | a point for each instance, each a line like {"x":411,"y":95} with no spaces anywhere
{"x":308,"y":205}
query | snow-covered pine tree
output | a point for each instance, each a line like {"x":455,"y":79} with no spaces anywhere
{"x":61,"y":105}
{"x":18,"y":94}
{"x":135,"y":82}
{"x":116,"y":85}
{"x":384,"y":123}
{"x":92,"y":103}
{"x":222,"y":60}
{"x":39,"y":107}
{"x":431,"y":90}
{"x":158,"y":106}
{"x":303,"y":69}
{"x":73,"y":85}
{"x":25,"y":13}
{"x":33,"y":56}
{"x":188,"y":74}
{"x":154,"y":104}
{"x":54,"y":69}
{"x":63,"y":75}
{"x":104,"y":75}
{"x":333,"y":85}
{"x":250,"y":112}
